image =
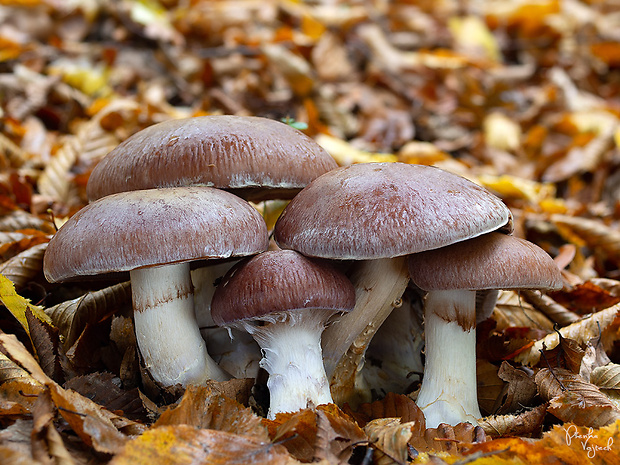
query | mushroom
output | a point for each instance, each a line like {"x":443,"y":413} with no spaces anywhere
{"x":253,"y":157}
{"x":247,"y":155}
{"x":451,"y":276}
{"x":376,"y":214}
{"x":284,"y":300}
{"x":154,"y":234}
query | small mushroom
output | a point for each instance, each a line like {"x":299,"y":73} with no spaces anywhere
{"x":154,"y":234}
{"x":451,"y":276}
{"x":284,"y":300}
{"x":376,"y":214}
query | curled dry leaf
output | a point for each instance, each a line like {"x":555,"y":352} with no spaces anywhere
{"x":606,"y":377}
{"x":581,"y":332}
{"x":17,"y":386}
{"x":185,"y":445}
{"x":572,"y":399}
{"x":567,"y":354}
{"x":389,"y":437}
{"x":337,"y":436}
{"x":25,"y":266}
{"x":20,"y":220}
{"x":524,"y":424}
{"x":552,"y":310}
{"x":589,"y":297}
{"x":71,"y":317}
{"x":12,"y":243}
{"x":597,"y":234}
{"x":105,"y":390}
{"x":519,"y":390}
{"x":45,"y":342}
{"x":47,"y":445}
{"x":305,"y":433}
{"x":490,"y":386}
{"x":95,"y":426}
{"x":206,"y":407}
{"x":513,"y":311}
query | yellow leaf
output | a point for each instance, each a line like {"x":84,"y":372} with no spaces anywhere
{"x":472,"y":34}
{"x":345,"y":154}
{"x":18,"y":305}
{"x":514,"y":187}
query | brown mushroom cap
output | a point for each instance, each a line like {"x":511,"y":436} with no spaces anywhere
{"x":154,"y":227}
{"x":278,"y":281}
{"x":491,"y":261}
{"x":383,"y":210}
{"x":251,"y":156}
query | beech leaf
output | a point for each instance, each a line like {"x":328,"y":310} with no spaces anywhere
{"x":184,"y":445}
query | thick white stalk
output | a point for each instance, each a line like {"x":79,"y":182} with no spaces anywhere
{"x":166,"y":330}
{"x":291,"y":345}
{"x":449,"y":390}
{"x":378,"y":284}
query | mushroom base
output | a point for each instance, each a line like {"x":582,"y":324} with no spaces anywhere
{"x":166,"y":330}
{"x":292,"y":355}
{"x":449,"y":390}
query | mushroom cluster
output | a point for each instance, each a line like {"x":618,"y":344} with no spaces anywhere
{"x":349,"y":242}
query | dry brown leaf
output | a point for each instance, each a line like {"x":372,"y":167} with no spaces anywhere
{"x":46,"y":344}
{"x":588,"y":297}
{"x":96,"y":427}
{"x":581,"y":332}
{"x":567,"y":354}
{"x":512,"y":311}
{"x":526,"y":424}
{"x":20,"y":220}
{"x":490,"y":386}
{"x":206,"y":407}
{"x":304,"y":433}
{"x":105,"y":390}
{"x":606,"y":377}
{"x":91,"y":141}
{"x":447,"y":438}
{"x":337,"y":435}
{"x":47,"y":445}
{"x":564,"y":444}
{"x":185,"y":445}
{"x":572,"y":399}
{"x":598,"y":235}
{"x":25,"y":266}
{"x":519,"y":390}
{"x":552,"y":309}
{"x":15,"y":444}
{"x":71,"y":317}
{"x":389,"y":437}
{"x":391,"y":406}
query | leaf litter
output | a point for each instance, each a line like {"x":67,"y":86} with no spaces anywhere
{"x":520,"y":97}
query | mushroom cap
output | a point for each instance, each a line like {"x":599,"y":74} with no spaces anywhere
{"x":491,"y":261}
{"x":255,"y":157}
{"x":279,"y":281}
{"x":138,"y":229}
{"x":383,"y":210}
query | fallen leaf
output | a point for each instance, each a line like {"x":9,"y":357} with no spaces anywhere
{"x":572,"y":399}
{"x":183,"y":444}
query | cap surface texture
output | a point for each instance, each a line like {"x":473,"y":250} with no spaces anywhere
{"x":153,"y":227}
{"x":383,"y":210}
{"x":246,"y":153}
{"x":492,"y":261}
{"x":278,"y":281}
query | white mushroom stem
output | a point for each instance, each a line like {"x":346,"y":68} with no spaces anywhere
{"x":449,"y":390}
{"x":379,"y":284}
{"x":166,"y":330}
{"x":291,"y":346}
